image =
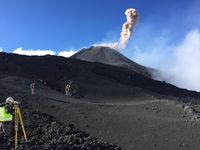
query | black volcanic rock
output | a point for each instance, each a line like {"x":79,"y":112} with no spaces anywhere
{"x":111,"y":56}
{"x":44,"y":132}
{"x":95,"y":79}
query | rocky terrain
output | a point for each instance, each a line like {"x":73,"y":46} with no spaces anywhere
{"x":45,"y":133}
{"x":118,"y":106}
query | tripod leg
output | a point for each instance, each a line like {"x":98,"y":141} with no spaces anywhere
{"x":16,"y":128}
{"x":22,"y":124}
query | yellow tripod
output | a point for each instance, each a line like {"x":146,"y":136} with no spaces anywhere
{"x":18,"y":117}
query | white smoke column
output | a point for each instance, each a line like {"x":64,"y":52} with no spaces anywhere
{"x":127,"y":28}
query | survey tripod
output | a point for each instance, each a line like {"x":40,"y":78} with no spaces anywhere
{"x":18,"y":117}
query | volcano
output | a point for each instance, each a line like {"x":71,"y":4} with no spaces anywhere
{"x":111,"y":56}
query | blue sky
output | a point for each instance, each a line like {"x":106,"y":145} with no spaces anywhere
{"x":62,"y":25}
{"x":58,"y":24}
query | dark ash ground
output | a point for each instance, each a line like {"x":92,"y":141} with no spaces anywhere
{"x":118,"y":106}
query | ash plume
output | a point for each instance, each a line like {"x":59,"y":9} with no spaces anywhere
{"x":127,"y":28}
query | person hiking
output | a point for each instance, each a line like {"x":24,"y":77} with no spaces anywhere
{"x":67,"y":87}
{"x":32,"y":87}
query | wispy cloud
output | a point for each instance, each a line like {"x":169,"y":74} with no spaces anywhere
{"x":38,"y":52}
{"x":67,"y":53}
{"x":1,"y":49}
{"x":31,"y":52}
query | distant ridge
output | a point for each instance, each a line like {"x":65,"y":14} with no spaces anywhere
{"x":96,"y":80}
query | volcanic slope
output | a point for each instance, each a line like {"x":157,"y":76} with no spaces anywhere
{"x":111,"y":56}
{"x":97,"y":81}
{"x":143,"y":122}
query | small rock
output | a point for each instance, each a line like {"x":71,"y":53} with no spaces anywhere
{"x":183,"y":145}
{"x":155,"y":145}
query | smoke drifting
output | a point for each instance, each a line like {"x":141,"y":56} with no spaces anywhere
{"x":113,"y":45}
{"x":183,"y":70}
{"x":127,"y":28}
{"x":178,"y":63}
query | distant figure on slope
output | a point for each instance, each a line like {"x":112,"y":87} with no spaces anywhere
{"x":32,"y":87}
{"x":67,"y":87}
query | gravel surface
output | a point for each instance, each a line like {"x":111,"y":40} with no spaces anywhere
{"x":45,"y":133}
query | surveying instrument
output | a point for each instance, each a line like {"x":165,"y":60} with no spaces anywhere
{"x":7,"y":117}
{"x":18,"y":117}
